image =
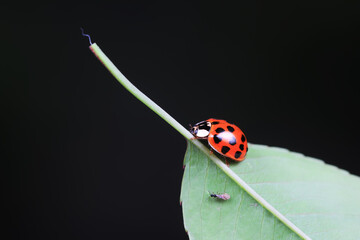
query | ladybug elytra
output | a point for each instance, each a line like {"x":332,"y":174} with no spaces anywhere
{"x":225,"y":138}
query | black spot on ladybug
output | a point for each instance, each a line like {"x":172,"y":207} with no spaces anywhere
{"x":243,"y":138}
{"x":247,"y":149}
{"x":225,"y":149}
{"x":217,"y":139}
{"x":230,"y":128}
{"x":219,"y":130}
{"x":232,"y":141}
{"x":241,"y":147}
{"x":214,"y":123}
{"x":237,"y":154}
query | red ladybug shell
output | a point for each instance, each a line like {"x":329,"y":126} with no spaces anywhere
{"x":227,"y":139}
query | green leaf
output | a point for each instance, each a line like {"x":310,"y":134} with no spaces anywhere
{"x":321,"y":200}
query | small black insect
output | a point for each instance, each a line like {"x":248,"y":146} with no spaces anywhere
{"x":223,"y":196}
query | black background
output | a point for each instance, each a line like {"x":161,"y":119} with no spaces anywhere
{"x":84,"y":159}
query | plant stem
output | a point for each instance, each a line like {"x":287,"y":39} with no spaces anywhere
{"x":137,"y":93}
{"x":183,"y":131}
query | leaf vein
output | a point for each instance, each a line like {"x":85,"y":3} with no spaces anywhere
{"x":202,"y":200}
{"x":262,"y":222}
{"x":238,"y":213}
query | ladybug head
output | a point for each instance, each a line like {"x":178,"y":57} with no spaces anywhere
{"x":201,"y":129}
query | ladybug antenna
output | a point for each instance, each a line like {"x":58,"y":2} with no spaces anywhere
{"x":190,"y":126}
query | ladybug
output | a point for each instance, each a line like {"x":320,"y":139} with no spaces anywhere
{"x":225,"y":138}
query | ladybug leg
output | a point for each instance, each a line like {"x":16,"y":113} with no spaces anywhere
{"x":194,"y":137}
{"x":226,"y":161}
{"x":201,"y":138}
{"x":211,"y":149}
